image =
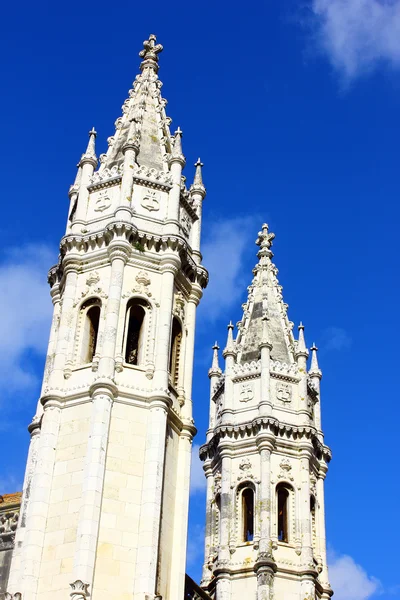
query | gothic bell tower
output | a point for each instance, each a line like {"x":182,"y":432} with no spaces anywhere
{"x":264,"y":458}
{"x":105,"y":500}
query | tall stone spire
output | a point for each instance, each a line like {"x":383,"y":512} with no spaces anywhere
{"x":265,"y":297}
{"x":146,"y":107}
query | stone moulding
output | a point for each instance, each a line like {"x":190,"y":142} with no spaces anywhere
{"x":252,"y":428}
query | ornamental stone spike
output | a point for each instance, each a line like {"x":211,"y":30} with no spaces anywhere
{"x":177,"y":154}
{"x":197,"y":186}
{"x":230,"y":344}
{"x":315,"y":371}
{"x":90,"y":154}
{"x":150,"y":53}
{"x":215,"y":368}
{"x":301,"y":349}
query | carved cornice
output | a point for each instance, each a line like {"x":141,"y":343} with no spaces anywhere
{"x":259,"y":424}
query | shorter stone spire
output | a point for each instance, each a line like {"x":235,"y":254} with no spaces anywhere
{"x":230,"y":344}
{"x":197,"y":185}
{"x":90,"y":154}
{"x":150,"y":53}
{"x":315,"y":371}
{"x":177,"y":154}
{"x":301,"y":348}
{"x":215,"y":368}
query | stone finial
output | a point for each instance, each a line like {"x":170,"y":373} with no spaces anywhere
{"x":90,"y":154}
{"x":177,"y":154}
{"x":301,"y":348}
{"x":197,"y":186}
{"x":230,"y":344}
{"x":264,"y":240}
{"x":315,"y":371}
{"x":150,"y":53}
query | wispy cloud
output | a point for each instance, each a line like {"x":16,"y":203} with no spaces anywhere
{"x":197,"y":477}
{"x":336,"y":338}
{"x":195,"y":545}
{"x":350,"y":581}
{"x":225,"y":249}
{"x":358,"y":35}
{"x":25,"y":313}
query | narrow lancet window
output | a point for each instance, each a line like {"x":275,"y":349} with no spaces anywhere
{"x":134,"y":333}
{"x":283,"y":502}
{"x":248,"y":514}
{"x":90,"y":331}
{"x":174,"y":359}
{"x":313,"y":523}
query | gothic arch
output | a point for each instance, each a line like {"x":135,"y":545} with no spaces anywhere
{"x":137,"y":308}
{"x":176,"y":351}
{"x":245,"y":512}
{"x":87,"y":330}
{"x":285,"y":512}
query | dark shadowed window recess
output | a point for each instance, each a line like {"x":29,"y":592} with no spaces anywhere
{"x":283,"y":502}
{"x":248,"y":514}
{"x":134,"y":333}
{"x":174,"y":359}
{"x":90,"y":330}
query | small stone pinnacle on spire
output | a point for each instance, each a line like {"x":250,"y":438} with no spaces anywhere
{"x":90,"y":154}
{"x":197,"y":186}
{"x":177,"y":155}
{"x":230,"y":344}
{"x":150,"y":53}
{"x":215,"y":369}
{"x":314,"y":368}
{"x":301,"y":349}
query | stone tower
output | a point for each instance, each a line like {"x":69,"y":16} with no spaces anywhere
{"x":105,"y":500}
{"x":265,"y":459}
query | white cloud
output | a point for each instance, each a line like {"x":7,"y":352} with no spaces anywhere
{"x":25,"y":313}
{"x":224,"y":251}
{"x":358,"y":35}
{"x":197,"y":477}
{"x":349,"y":580}
{"x":336,"y":338}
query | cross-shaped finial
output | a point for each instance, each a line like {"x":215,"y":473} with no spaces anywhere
{"x":198,"y":163}
{"x":264,"y":239}
{"x":178,"y":131}
{"x":150,"y":51}
{"x":92,"y":132}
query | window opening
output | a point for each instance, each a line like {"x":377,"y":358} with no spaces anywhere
{"x":283,"y":500}
{"x":176,"y":342}
{"x":248,"y":514}
{"x":90,"y":333}
{"x":135,"y":318}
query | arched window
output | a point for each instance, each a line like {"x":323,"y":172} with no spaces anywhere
{"x":135,"y":314}
{"x":282,"y":498}
{"x":90,"y":330}
{"x":174,"y":358}
{"x":247,"y":515}
{"x":217,"y":519}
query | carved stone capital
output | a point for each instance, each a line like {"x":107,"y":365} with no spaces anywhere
{"x":79,"y":590}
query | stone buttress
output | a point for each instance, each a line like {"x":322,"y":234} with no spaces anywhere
{"x":105,"y":501}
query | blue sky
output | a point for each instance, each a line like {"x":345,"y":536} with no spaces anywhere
{"x":293,"y":108}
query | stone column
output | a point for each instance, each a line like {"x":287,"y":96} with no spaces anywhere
{"x":321,"y":528}
{"x":36,"y":516}
{"x":265,"y":566}
{"x":265,"y":406}
{"x":222,"y":571}
{"x":60,"y":347}
{"x":153,"y":472}
{"x":176,"y":164}
{"x":103,"y":392}
{"x":130,"y":150}
{"x":208,"y":538}
{"x":229,"y":354}
{"x":309,"y":572}
{"x":191,"y":308}
{"x":118,"y":252}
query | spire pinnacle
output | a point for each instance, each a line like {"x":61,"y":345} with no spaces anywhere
{"x":215,"y":369}
{"x":301,"y":349}
{"x":177,"y":154}
{"x":230,"y":344}
{"x":314,"y":368}
{"x":150,"y":53}
{"x":90,"y":154}
{"x":197,"y":185}
{"x":264,"y":240}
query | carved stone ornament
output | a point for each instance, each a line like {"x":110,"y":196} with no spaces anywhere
{"x":246,"y":392}
{"x":185,"y":222}
{"x":103,"y":201}
{"x":143,"y":282}
{"x":79,"y":590}
{"x":245,"y":464}
{"x":16,"y":596}
{"x":8,"y":524}
{"x":179,"y":308}
{"x":284,"y":393}
{"x":217,"y":483}
{"x":150,"y":200}
{"x":91,"y":281}
{"x":286,"y":470}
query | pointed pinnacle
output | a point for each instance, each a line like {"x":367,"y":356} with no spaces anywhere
{"x":177,"y":155}
{"x":150,"y":53}
{"x":215,"y":370}
{"x":90,"y":154}
{"x":301,"y":349}
{"x":197,"y":186}
{"x":314,"y":368}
